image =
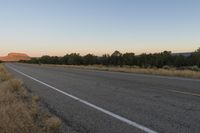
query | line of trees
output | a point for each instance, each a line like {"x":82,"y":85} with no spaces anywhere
{"x":158,"y":60}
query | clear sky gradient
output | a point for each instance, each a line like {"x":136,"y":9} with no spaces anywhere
{"x":56,"y":27}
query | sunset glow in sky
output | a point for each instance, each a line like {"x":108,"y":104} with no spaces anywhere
{"x":57,"y":27}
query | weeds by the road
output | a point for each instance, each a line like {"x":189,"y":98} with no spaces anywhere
{"x":138,"y":70}
{"x":19,"y":111}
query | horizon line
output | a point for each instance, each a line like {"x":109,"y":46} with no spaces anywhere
{"x":95,"y":54}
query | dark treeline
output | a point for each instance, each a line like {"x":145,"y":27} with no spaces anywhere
{"x":158,"y":60}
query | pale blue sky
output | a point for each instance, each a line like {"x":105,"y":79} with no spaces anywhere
{"x":56,"y":27}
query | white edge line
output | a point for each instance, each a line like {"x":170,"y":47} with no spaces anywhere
{"x":123,"y":119}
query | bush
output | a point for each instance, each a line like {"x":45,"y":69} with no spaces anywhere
{"x":194,"y":68}
{"x":166,"y":67}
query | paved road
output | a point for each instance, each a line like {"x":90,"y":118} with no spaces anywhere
{"x":112,"y":102}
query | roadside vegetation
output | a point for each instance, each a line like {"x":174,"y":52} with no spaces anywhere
{"x":136,"y":70}
{"x":158,"y":60}
{"x":164,"y":63}
{"x":20,"y":111}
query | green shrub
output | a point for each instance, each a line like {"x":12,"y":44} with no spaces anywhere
{"x":194,"y":68}
{"x":166,"y":67}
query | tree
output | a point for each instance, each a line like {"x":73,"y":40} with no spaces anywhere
{"x":90,"y":59}
{"x":45,"y":59}
{"x":129,"y":59}
{"x":116,"y":58}
{"x":198,"y":50}
{"x":34,"y":61}
{"x":75,"y":59}
{"x":64,"y":59}
{"x":195,"y":57}
{"x":105,"y":59}
{"x":142,"y":60}
{"x":179,"y":61}
{"x":49,"y":59}
{"x":162,"y":59}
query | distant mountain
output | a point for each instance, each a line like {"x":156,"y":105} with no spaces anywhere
{"x":186,"y":54}
{"x":11,"y":57}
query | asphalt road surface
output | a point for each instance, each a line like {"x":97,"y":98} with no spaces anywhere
{"x":112,"y":102}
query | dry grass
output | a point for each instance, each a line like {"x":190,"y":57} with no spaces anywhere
{"x":19,"y":111}
{"x":52,"y":122}
{"x":154,"y":71}
{"x":4,"y":75}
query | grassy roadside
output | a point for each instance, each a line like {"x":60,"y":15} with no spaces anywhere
{"x":20,"y":111}
{"x":137,"y":70}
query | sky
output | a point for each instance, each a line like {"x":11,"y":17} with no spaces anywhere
{"x":57,"y":27}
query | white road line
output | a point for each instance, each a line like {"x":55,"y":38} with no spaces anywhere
{"x":123,"y":119}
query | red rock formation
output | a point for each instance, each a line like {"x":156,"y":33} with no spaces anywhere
{"x":15,"y":57}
